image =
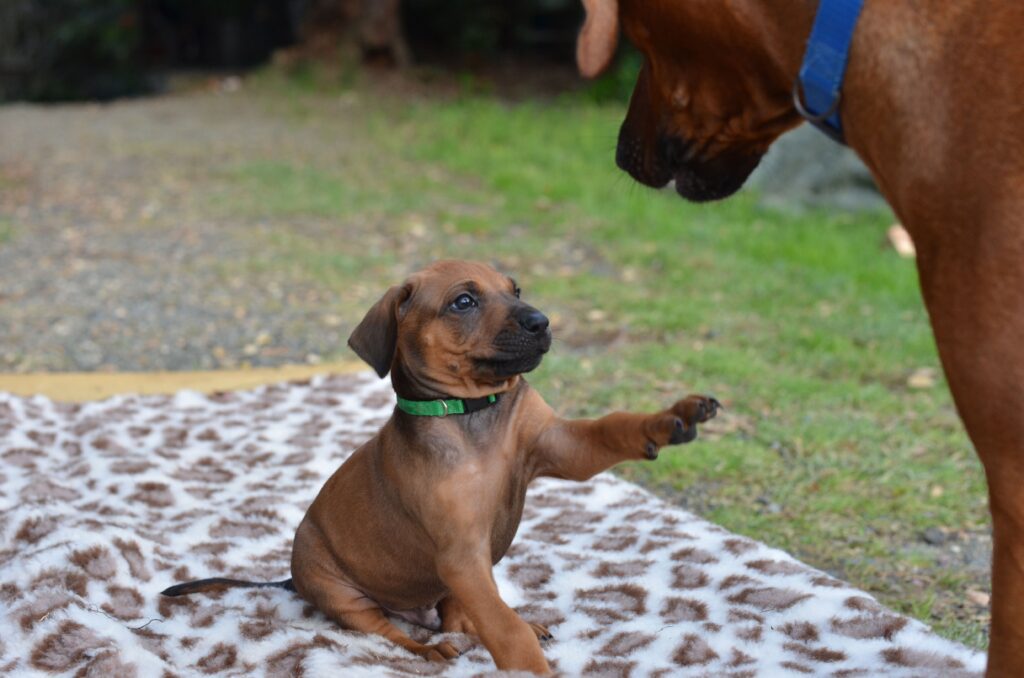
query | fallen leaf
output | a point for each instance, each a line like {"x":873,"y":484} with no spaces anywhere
{"x":979,"y":598}
{"x":921,"y":378}
{"x":901,"y":241}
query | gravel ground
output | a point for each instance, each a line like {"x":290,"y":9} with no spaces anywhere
{"x":112,"y":255}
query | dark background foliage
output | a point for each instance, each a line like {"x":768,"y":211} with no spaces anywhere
{"x":67,"y":49}
{"x":54,"y":50}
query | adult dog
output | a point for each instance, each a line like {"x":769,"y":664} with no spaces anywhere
{"x":413,"y":521}
{"x":930,"y":103}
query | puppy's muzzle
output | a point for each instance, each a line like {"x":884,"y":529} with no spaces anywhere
{"x":521,"y":346}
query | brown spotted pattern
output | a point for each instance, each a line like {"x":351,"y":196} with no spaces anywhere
{"x":103,"y":505}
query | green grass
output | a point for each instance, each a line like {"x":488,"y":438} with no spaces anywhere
{"x":805,"y":325}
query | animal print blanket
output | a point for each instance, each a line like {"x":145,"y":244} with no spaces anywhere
{"x":104,"y":504}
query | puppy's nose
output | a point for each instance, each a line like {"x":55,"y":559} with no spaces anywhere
{"x":533,"y":321}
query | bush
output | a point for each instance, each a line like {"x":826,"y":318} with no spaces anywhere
{"x":71,"y":49}
{"x":484,"y":29}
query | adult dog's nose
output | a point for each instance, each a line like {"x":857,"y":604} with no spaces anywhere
{"x":533,"y":321}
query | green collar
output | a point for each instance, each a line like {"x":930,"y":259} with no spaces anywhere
{"x":442,"y":408}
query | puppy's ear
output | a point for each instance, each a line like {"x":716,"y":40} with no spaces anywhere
{"x":374,"y":339}
{"x":598,"y":38}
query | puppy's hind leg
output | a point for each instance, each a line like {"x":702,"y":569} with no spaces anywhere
{"x":353,"y":610}
{"x":454,"y":619}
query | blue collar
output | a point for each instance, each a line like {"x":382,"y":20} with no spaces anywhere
{"x":818,"y":88}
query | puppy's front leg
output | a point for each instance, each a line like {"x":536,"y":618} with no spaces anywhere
{"x":578,"y":449}
{"x":511,"y":641}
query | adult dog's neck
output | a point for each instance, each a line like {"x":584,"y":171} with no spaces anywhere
{"x":888,"y":83}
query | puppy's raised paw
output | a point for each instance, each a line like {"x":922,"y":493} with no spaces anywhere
{"x":678,"y":424}
{"x":696,"y":409}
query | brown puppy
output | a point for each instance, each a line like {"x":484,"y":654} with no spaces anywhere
{"x":414,"y":520}
{"x":931,"y":103}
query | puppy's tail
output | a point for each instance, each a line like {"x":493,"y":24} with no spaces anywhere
{"x":215,"y":584}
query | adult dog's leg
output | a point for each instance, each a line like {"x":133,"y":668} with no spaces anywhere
{"x":578,"y":449}
{"x":511,"y":641}
{"x":974,"y":290}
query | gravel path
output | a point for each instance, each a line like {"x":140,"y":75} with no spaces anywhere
{"x":112,"y":251}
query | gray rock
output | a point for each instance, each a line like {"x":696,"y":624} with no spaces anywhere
{"x":934,"y":536}
{"x":805,"y":169}
{"x":86,"y":354}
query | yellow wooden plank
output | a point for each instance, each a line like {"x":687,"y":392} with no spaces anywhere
{"x":82,"y":386}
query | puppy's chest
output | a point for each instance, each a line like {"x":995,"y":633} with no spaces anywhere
{"x":490,"y":485}
{"x":508,"y":512}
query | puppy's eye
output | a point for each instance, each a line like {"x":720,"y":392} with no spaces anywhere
{"x":463,"y":302}
{"x":518,"y":292}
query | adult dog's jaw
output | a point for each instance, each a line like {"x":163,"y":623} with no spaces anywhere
{"x":714,"y":180}
{"x":672,"y":159}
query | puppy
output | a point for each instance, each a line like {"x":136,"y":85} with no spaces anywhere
{"x":412,"y":523}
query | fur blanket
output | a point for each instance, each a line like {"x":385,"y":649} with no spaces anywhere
{"x":104,"y":504}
